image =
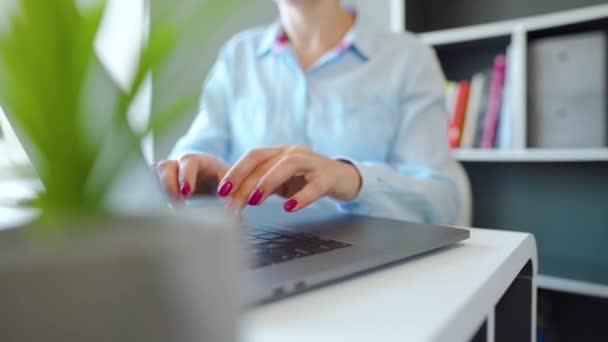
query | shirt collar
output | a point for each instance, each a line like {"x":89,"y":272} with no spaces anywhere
{"x":268,"y":39}
{"x":359,"y":39}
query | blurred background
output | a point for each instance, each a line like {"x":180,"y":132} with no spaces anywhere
{"x":545,"y":169}
{"x":121,"y":39}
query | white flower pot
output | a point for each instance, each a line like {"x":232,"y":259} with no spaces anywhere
{"x":132,"y":279}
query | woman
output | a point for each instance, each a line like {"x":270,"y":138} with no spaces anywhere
{"x":319,"y":107}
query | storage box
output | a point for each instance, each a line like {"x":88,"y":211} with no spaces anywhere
{"x":567,"y":91}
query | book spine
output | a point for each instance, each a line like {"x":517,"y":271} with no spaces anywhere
{"x":488,"y":138}
{"x":450,"y":97}
{"x":504,"y":136}
{"x":457,"y":123}
{"x":473,"y":109}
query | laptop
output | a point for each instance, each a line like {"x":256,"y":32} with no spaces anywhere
{"x":296,"y":252}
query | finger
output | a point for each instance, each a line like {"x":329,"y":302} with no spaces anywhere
{"x":209,"y":174}
{"x":187,"y":177}
{"x":248,"y":192}
{"x":167,"y":174}
{"x":244,"y":167}
{"x":291,"y":187}
{"x":282,"y":172}
{"x":196,"y":168}
{"x":314,"y":190}
{"x":211,"y":166}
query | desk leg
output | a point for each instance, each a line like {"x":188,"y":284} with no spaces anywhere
{"x":482,"y":333}
{"x":486,"y":331}
{"x":514,"y":312}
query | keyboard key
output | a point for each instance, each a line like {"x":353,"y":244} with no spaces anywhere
{"x":279,"y":256}
{"x":270,"y":245}
{"x":257,"y":241}
{"x":336,"y":244}
{"x":273,"y":246}
{"x":326,"y":248}
{"x":283,"y":239}
{"x":314,"y":248}
{"x":302,"y":236}
{"x":318,"y":240}
{"x":269,"y":236}
{"x":302,"y":250}
{"x":256,"y":232}
{"x":333,"y":244}
{"x":284,"y":232}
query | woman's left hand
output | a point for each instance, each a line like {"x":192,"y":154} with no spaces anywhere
{"x":292,"y":171}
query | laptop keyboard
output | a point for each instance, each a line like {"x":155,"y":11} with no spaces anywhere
{"x":274,"y":246}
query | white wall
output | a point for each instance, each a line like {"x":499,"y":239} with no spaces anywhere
{"x":384,"y":14}
{"x":118,"y":44}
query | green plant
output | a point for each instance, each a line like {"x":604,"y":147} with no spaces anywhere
{"x":66,"y":108}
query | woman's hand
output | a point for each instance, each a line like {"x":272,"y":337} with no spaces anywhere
{"x":292,"y":171}
{"x":193,"y":173}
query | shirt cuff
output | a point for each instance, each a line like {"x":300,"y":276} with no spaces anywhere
{"x":377,"y":197}
{"x":369,"y":182}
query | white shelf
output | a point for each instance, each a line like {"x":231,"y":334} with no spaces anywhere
{"x":572,"y":286}
{"x":397,"y":14}
{"x":532,"y":155}
{"x":506,"y":28}
{"x":469,"y":33}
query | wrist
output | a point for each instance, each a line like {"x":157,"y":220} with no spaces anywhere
{"x":348,"y":183}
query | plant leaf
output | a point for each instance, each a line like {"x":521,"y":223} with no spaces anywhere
{"x":46,"y":50}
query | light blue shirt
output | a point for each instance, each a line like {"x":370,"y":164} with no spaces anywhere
{"x":378,"y":103}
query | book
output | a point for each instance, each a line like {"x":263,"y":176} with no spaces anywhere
{"x":510,"y":122}
{"x":488,"y":139}
{"x":450,"y":97}
{"x":457,"y":122}
{"x":504,"y":136}
{"x":473,"y":111}
{"x":483,"y":106}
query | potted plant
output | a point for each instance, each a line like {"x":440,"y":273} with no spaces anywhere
{"x":86,"y":266}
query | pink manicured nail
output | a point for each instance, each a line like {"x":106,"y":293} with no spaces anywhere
{"x":256,"y":197}
{"x":225,"y":189}
{"x":185,"y":189}
{"x":290,"y":205}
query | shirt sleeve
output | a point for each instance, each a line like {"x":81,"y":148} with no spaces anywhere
{"x":418,"y":181}
{"x":210,"y":130}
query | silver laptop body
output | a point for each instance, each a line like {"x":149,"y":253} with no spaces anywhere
{"x":360,"y":244}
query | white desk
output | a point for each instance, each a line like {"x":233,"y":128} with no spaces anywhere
{"x":443,"y":296}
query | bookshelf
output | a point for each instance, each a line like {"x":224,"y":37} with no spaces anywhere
{"x":559,"y":195}
{"x":572,"y":286}
{"x":494,"y":37}
{"x":508,"y":27}
{"x":532,"y":155}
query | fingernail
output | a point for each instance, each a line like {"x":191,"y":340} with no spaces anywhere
{"x":185,"y":189}
{"x":225,"y":189}
{"x":290,"y":205}
{"x":256,"y":197}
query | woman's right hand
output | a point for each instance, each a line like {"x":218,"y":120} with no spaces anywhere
{"x":196,"y":173}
